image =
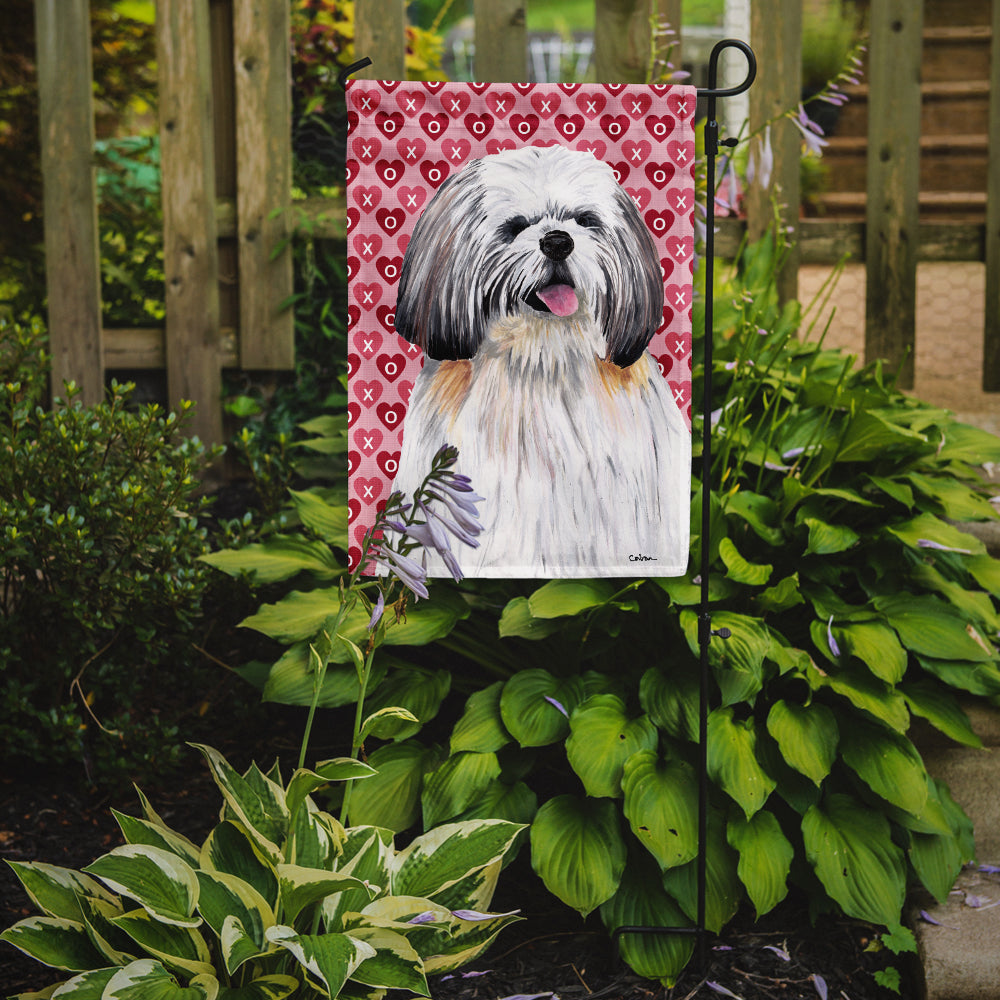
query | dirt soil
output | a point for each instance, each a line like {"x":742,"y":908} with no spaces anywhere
{"x":552,"y":952}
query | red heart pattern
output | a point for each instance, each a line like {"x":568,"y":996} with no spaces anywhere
{"x":406,"y":139}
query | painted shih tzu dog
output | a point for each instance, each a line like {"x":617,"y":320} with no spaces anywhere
{"x":533,"y":287}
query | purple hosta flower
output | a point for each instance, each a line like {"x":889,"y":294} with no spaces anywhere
{"x":728,"y":198}
{"x":780,"y":952}
{"x":719,"y":988}
{"x":558,"y":705}
{"x":377,"y":612}
{"x":427,"y":917}
{"x":812,"y":134}
{"x":465,"y":975}
{"x":820,"y":984}
{"x":927,"y":543}
{"x":989,"y":869}
{"x":834,"y":648}
{"x":927,"y":918}
{"x":475,"y":915}
{"x":760,"y":165}
{"x":411,"y":574}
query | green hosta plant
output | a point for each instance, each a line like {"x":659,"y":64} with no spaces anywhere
{"x":279,"y":900}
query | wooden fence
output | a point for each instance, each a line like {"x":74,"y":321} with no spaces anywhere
{"x":226,"y":161}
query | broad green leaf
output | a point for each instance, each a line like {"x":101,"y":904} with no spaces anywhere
{"x":670,"y":698}
{"x":893,"y":488}
{"x":481,"y":728}
{"x":578,"y":851}
{"x":850,"y":848}
{"x":330,"y":959}
{"x":225,"y":897}
{"x":739,"y":569}
{"x":765,"y":858}
{"x":870,"y":435}
{"x":456,"y":785}
{"x":758,"y":511}
{"x":279,"y":558}
{"x":941,"y":709}
{"x":986,"y":571}
{"x":301,"y":887}
{"x":230,"y":849}
{"x":866,"y":692}
{"x":976,"y":678}
{"x":395,"y":964}
{"x":807,"y":736}
{"x":827,"y":539}
{"x":163,"y":884}
{"x":517,"y":620}
{"x":732,"y":760}
{"x":292,"y":681}
{"x":273,"y":987}
{"x":661,"y":799}
{"x":304,"y":782}
{"x":385,"y":723}
{"x":957,"y":501}
{"x":783,"y":595}
{"x":684,"y":592}
{"x":558,"y":598}
{"x":640,"y":901}
{"x":937,"y":858}
{"x":141,"y":831}
{"x":420,"y":691}
{"x":147,"y":979}
{"x":738,"y":661}
{"x":723,"y":889}
{"x":965,"y":443}
{"x":976,"y":605}
{"x":391,"y":798}
{"x":888,"y":763}
{"x":530,"y":706}
{"x":438,"y":859}
{"x":876,"y":646}
{"x":54,"y":941}
{"x":928,"y":626}
{"x":56,"y":891}
{"x":516,"y":803}
{"x":180,"y":948}
{"x":327,"y":520}
{"x":263,"y":813}
{"x":928,"y":528}
{"x":602,"y":738}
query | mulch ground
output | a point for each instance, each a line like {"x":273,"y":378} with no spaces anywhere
{"x":552,"y":952}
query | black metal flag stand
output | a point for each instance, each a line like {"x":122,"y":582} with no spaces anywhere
{"x":705,"y":631}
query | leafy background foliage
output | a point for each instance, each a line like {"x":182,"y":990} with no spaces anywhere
{"x":854,"y":602}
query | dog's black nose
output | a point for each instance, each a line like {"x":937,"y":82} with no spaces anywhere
{"x":556,"y":245}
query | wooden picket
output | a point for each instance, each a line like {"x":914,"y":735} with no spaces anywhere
{"x":226,"y":160}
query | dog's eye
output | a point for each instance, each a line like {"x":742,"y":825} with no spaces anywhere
{"x":513,"y":228}
{"x":589,"y":220}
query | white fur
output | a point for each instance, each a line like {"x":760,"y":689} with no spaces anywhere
{"x":563,"y":423}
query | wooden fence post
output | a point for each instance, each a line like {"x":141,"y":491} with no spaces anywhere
{"x":380,"y":34}
{"x":501,"y":41}
{"x":893,"y":183}
{"x":622,"y":40}
{"x":72,"y":255}
{"x":776,"y":34}
{"x":190,"y":251}
{"x":991,"y":332}
{"x":262,"y":61}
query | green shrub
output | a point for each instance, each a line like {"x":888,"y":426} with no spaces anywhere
{"x":280,"y":899}
{"x":99,"y":540}
{"x":855,"y":604}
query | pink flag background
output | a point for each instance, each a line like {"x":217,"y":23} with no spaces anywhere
{"x":405,"y":139}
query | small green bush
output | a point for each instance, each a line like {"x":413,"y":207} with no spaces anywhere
{"x":99,"y":578}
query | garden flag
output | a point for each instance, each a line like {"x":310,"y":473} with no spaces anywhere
{"x":520,"y":260}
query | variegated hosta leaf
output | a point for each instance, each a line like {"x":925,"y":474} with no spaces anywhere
{"x":158,"y":880}
{"x":850,"y":847}
{"x":147,"y":979}
{"x":367,"y":854}
{"x":329,"y":959}
{"x":765,"y":858}
{"x":274,"y":987}
{"x":56,"y":891}
{"x":481,"y":727}
{"x":457,"y":784}
{"x":300,"y":887}
{"x":315,"y":838}
{"x":578,"y":851}
{"x":475,"y":891}
{"x":177,"y":947}
{"x":466,"y":941}
{"x":141,"y":831}
{"x":535,"y":706}
{"x":230,"y":849}
{"x":807,"y":736}
{"x":395,"y":964}
{"x":642,"y":902}
{"x":441,"y":857}
{"x":304,"y":782}
{"x":86,"y":986}
{"x":54,"y":941}
{"x":256,"y":801}
{"x":661,"y":799}
{"x":116,"y":946}
{"x":732,"y":760}
{"x":602,"y":737}
{"x":225,"y":897}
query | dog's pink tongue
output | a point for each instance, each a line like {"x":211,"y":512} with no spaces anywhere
{"x":561,"y":299}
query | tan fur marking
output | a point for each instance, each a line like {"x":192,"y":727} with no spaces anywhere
{"x":615,"y":379}
{"x":450,"y":386}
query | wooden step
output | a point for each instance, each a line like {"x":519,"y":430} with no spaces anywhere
{"x":945,"y":105}
{"x":947,"y":163}
{"x":940,"y":13}
{"x":957,"y":206}
{"x":956,"y":53}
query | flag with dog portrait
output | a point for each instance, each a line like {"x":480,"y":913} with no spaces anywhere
{"x":520,"y":261}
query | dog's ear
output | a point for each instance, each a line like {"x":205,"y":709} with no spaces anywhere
{"x":632,"y":308}
{"x":437,"y":305}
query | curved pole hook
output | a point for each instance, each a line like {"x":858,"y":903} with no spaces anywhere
{"x":713,"y":69}
{"x":353,"y":68}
